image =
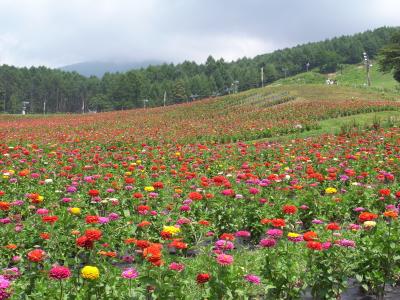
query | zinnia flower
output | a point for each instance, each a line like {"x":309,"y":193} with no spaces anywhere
{"x":4,"y":283}
{"x":36,"y":255}
{"x":347,"y":243}
{"x":202,"y":278}
{"x":90,"y":272}
{"x":267,"y":243}
{"x":176,"y":267}
{"x":130,"y":273}
{"x":172,"y":230}
{"x":314,"y":245}
{"x":289,"y":209}
{"x":274,"y":233}
{"x":59,"y":272}
{"x":252,"y":278}
{"x":369,"y":224}
{"x":330,"y":190}
{"x":225,"y":259}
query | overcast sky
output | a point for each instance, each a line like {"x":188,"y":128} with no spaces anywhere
{"x":60,"y":32}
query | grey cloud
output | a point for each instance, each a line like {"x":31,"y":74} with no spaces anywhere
{"x":61,"y":32}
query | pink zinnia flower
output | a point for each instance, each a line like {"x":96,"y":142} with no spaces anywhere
{"x":225,"y":259}
{"x":274,"y":233}
{"x":176,"y":267}
{"x":254,"y":191}
{"x":267,"y":243}
{"x":242,"y":233}
{"x":130,"y":273}
{"x":347,"y":243}
{"x":59,"y":272}
{"x":42,"y":211}
{"x":224,"y":245}
{"x":4,"y":282}
{"x":252,"y":278}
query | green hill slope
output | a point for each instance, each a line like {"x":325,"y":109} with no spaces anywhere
{"x":350,"y":76}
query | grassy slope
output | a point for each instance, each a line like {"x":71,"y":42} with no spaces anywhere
{"x":343,"y":124}
{"x":351,"y":75}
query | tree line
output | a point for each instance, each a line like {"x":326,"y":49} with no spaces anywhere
{"x":54,"y":91}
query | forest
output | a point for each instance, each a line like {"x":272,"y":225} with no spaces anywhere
{"x":45,"y":90}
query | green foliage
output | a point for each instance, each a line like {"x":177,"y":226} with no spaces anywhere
{"x":179,"y":92}
{"x":390,"y":56}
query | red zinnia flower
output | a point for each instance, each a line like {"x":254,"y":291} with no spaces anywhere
{"x":289,"y":209}
{"x":49,"y":219}
{"x":195,"y":196}
{"x":4,"y":205}
{"x":227,"y":237}
{"x":94,"y":193}
{"x":384,"y":192}
{"x":84,"y":242}
{"x":45,"y":235}
{"x":36,"y":255}
{"x":137,"y":195}
{"x":314,"y":245}
{"x":309,"y":236}
{"x":177,"y":244}
{"x":142,"y":244}
{"x":158,"y":185}
{"x":92,"y":219}
{"x":93,"y":234}
{"x":333,"y":226}
{"x":278,"y":222}
{"x":202,"y":278}
{"x":367,"y":216}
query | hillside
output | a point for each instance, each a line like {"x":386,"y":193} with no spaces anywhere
{"x":258,"y":113}
{"x":347,"y":75}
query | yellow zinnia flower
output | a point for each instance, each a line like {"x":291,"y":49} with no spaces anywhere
{"x":172,"y":230}
{"x":293,"y":235}
{"x":369,"y":224}
{"x":89,"y":272}
{"x":149,"y":188}
{"x":75,"y":210}
{"x":330,"y":190}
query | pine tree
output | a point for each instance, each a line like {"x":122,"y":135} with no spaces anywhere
{"x":390,"y":57}
{"x":179,"y":92}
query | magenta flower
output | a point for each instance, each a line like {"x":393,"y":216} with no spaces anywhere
{"x":242,"y":233}
{"x":347,"y":243}
{"x":4,"y":283}
{"x":130,"y":273}
{"x":252,"y":278}
{"x":176,"y":267}
{"x":59,"y":272}
{"x":268,"y":243}
{"x":224,"y":245}
{"x":274,"y":233}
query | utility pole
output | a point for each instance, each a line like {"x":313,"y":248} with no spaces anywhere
{"x":285,"y":71}
{"x":165,"y":97}
{"x":368,"y":66}
{"x":262,"y":76}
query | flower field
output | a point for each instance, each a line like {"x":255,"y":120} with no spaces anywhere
{"x":186,"y":202}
